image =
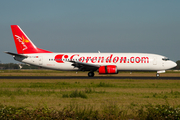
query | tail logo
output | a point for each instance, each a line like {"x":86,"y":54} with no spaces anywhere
{"x":22,"y":41}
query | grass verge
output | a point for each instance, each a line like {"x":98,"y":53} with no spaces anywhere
{"x":89,"y":99}
{"x":108,"y":111}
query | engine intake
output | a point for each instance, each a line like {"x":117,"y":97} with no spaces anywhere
{"x":109,"y":69}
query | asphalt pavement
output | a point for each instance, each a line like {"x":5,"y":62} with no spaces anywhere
{"x":86,"y":77}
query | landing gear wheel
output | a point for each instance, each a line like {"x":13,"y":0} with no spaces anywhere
{"x":157,"y":75}
{"x":91,"y":74}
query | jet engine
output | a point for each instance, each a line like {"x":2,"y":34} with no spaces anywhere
{"x":109,"y":69}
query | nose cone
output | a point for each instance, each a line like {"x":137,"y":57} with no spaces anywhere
{"x":172,"y":64}
{"x":169,"y":64}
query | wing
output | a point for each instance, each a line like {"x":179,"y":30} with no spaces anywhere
{"x":85,"y":66}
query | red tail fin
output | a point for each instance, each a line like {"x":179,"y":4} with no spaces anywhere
{"x":23,"y":44}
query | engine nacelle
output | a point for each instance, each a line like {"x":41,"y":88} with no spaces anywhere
{"x":109,"y":69}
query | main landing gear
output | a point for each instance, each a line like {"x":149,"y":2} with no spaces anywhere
{"x":91,"y":74}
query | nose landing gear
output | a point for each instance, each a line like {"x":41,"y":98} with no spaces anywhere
{"x":157,"y":75}
{"x":162,"y":71}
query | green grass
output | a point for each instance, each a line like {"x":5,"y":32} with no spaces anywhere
{"x":75,"y":94}
{"x":100,"y":98}
{"x":157,"y":84}
{"x":109,"y":110}
{"x":87,"y":98}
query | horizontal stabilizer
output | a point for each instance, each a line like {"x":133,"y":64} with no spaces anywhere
{"x":15,"y":54}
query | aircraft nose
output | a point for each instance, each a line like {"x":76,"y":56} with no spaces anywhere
{"x":173,"y":64}
{"x":170,"y":64}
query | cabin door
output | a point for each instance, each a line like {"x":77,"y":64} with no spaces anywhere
{"x":154,"y":61}
{"x":40,"y":60}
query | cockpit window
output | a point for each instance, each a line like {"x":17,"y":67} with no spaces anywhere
{"x":165,"y":59}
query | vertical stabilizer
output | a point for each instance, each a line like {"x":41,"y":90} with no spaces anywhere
{"x":23,"y":44}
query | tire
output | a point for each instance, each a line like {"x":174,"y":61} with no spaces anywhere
{"x":91,"y":74}
{"x":157,"y":75}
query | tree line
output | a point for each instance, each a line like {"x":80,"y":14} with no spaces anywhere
{"x":17,"y":66}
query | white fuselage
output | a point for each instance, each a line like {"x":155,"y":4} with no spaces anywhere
{"x":123,"y":61}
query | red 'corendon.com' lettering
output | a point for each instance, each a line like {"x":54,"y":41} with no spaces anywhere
{"x":101,"y":59}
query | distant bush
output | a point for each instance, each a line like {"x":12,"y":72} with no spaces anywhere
{"x":159,"y":112}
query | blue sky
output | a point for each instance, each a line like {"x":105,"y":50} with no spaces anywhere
{"x":95,"y":25}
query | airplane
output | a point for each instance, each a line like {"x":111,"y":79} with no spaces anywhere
{"x":104,"y":63}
